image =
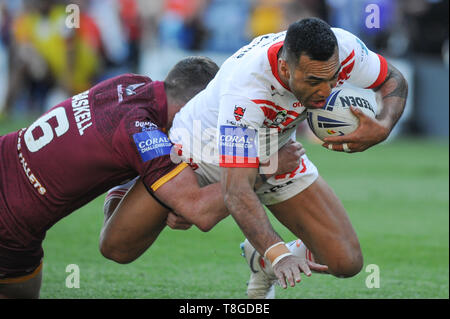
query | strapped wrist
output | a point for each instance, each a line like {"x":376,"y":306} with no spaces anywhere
{"x":276,"y":250}
{"x":276,"y":260}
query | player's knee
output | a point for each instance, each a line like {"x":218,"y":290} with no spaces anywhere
{"x":117,"y":255}
{"x":348,"y":265}
{"x":204,"y":226}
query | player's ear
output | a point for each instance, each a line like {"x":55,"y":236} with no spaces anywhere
{"x":283,"y":68}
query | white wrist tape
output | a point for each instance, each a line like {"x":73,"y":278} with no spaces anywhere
{"x":276,"y":244}
{"x":279,"y":258}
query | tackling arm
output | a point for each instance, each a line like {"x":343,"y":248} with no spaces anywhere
{"x":201,"y":206}
{"x":133,"y":224}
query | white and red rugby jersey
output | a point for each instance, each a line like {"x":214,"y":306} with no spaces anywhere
{"x":247,"y":97}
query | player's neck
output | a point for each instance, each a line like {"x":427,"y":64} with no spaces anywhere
{"x":173,"y":106}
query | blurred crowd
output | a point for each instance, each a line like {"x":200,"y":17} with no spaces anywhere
{"x":48,"y":52}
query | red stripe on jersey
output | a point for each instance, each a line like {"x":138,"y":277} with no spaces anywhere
{"x":346,"y":69}
{"x":288,"y":121}
{"x":272,"y":54}
{"x":349,"y":57}
{"x":238,"y":161}
{"x":383,"y":72}
{"x":345,"y":72}
{"x":267,"y":102}
{"x":268,"y":112}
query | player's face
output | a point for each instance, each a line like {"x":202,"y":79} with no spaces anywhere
{"x":312,"y":81}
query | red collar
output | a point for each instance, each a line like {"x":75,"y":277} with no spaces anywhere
{"x":272,"y":54}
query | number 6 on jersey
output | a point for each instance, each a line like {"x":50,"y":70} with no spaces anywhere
{"x":62,"y":127}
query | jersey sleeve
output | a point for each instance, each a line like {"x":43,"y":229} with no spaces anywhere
{"x":147,"y":150}
{"x":239,"y":123}
{"x":359,"y":65}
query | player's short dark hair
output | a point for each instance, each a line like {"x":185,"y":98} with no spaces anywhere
{"x":190,"y":76}
{"x":312,"y":37}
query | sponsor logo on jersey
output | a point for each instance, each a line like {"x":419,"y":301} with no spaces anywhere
{"x":238,"y":112}
{"x":234,"y":123}
{"x":238,"y":146}
{"x":130,"y":90}
{"x":31,"y":177}
{"x":279,"y":117}
{"x":81,"y":111}
{"x":152,"y":144}
{"x":120,"y":92}
{"x":146,"y":125}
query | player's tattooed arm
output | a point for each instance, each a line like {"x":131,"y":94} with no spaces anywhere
{"x":391,"y":98}
{"x":393,"y":93}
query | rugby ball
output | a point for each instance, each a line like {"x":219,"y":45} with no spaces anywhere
{"x":336,"y":118}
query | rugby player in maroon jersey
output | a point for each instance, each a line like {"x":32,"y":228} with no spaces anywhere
{"x":82,"y":147}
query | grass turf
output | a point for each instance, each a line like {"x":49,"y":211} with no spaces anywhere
{"x":397,"y":197}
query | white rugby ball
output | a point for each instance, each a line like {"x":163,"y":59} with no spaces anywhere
{"x":336,"y":118}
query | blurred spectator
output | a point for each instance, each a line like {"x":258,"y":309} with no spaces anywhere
{"x":271,"y":16}
{"x":131,"y":22}
{"x":181,"y":25}
{"x":106,"y":14}
{"x":5,"y":22}
{"x":150,"y":15}
{"x":427,"y":23}
{"x":46,"y":53}
{"x":226,"y":22}
{"x":266,"y":17}
{"x":295,"y":10}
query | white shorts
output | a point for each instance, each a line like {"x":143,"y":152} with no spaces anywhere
{"x":276,"y":189}
{"x":118,"y":192}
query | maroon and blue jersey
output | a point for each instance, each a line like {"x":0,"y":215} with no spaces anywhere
{"x":79,"y":149}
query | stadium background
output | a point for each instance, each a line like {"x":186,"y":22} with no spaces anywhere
{"x":396,"y":193}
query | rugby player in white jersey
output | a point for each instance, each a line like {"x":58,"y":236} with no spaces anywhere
{"x":269,"y":84}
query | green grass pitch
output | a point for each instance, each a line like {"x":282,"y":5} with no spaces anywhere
{"x":397,"y":197}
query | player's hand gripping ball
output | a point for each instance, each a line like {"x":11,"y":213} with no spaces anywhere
{"x":336,"y":118}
